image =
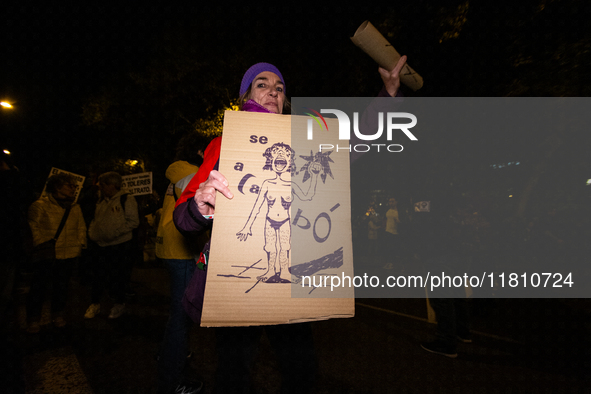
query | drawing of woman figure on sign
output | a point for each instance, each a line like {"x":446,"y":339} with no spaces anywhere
{"x":278,"y":193}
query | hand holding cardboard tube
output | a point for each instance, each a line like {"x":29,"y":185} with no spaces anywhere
{"x":392,"y":78}
{"x":369,"y":39}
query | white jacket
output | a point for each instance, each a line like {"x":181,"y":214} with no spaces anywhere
{"x":113,"y":225}
{"x":45,"y":216}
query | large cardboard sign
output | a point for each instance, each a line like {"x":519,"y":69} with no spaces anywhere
{"x":79,"y":179}
{"x":138,"y":184}
{"x":289,"y":218}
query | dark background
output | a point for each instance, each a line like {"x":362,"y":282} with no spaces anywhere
{"x":93,"y":86}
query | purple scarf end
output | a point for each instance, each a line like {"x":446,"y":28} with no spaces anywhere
{"x":253,"y":106}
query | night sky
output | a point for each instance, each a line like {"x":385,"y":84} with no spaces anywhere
{"x":55,"y":57}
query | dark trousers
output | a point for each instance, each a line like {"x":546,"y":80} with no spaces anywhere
{"x":392,"y":250}
{"x":452,"y":319}
{"x":175,"y":344}
{"x":110,"y":271}
{"x":449,"y":302}
{"x":292,"y":343}
{"x":56,"y":273}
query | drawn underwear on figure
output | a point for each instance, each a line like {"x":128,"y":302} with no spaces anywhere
{"x":278,"y":192}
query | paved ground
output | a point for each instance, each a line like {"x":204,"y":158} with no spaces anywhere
{"x":520,"y":346}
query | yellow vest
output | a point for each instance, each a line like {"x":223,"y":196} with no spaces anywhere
{"x":170,"y":243}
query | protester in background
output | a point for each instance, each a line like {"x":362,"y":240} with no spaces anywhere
{"x":54,"y":216}
{"x":391,"y":240}
{"x":115,"y":217}
{"x":442,"y":236}
{"x":147,"y":204}
{"x":372,"y":235}
{"x":179,"y":256}
{"x":88,"y":198}
{"x":152,"y":220}
{"x":262,"y":90}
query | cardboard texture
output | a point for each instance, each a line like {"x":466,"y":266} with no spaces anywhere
{"x":247,"y":280}
{"x":372,"y":42}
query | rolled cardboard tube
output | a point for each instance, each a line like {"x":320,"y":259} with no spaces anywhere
{"x":369,"y":39}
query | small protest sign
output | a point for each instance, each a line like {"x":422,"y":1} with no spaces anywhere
{"x":138,"y":184}
{"x":78,"y":179}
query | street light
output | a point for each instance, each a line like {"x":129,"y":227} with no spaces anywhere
{"x":5,"y":104}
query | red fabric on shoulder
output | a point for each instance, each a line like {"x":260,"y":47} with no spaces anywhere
{"x":211,"y":156}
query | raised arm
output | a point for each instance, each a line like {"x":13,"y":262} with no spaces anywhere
{"x":315,"y":169}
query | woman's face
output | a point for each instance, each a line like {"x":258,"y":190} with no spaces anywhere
{"x":67,"y":190}
{"x":267,"y":90}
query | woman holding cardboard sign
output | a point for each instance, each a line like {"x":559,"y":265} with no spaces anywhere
{"x":262,"y":90}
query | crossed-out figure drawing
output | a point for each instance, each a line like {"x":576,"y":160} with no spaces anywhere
{"x":278,"y":192}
